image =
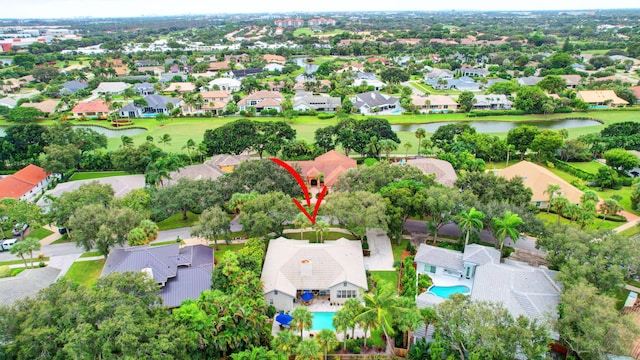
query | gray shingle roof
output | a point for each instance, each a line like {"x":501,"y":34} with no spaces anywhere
{"x":74,"y":86}
{"x":449,"y":259}
{"x":159,"y":101}
{"x":374,"y":99}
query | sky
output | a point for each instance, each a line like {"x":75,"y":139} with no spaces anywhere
{"x":132,"y":8}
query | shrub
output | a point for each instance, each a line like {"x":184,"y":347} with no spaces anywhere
{"x":324,"y":116}
{"x":5,"y":271}
{"x":483,"y":113}
{"x":507,"y":251}
{"x":271,"y":311}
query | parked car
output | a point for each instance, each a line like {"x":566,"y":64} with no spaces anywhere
{"x":62,"y":230}
{"x":19,"y":229}
{"x":8,"y":243}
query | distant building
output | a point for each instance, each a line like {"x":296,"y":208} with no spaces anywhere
{"x":601,"y":98}
{"x":289,"y":22}
{"x":26,"y":184}
{"x":95,"y":109}
{"x":373,"y":102}
{"x":321,"y":22}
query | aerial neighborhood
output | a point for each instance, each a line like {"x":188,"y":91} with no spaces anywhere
{"x":321,"y":185}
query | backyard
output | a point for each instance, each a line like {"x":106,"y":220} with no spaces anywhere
{"x":85,"y":272}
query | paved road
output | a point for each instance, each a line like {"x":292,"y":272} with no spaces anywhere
{"x":47,"y":250}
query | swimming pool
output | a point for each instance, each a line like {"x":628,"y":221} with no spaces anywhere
{"x":446,"y":291}
{"x":323,"y":320}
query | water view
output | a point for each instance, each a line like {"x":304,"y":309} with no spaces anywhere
{"x":501,"y":126}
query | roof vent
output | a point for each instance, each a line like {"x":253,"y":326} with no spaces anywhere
{"x":148,"y":272}
{"x":305,"y":268}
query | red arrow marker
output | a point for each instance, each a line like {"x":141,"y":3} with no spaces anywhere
{"x":305,"y":191}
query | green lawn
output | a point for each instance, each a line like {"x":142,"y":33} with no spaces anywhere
{"x":19,"y":261}
{"x":632,"y":231}
{"x":40,"y":233}
{"x":397,"y":249}
{"x":303,"y":31}
{"x":96,"y":175}
{"x":176,"y":221}
{"x":596,"y":224}
{"x":223,"y":248}
{"x":590,"y":167}
{"x":90,"y":254}
{"x":385,"y":277}
{"x":63,"y":239}
{"x":85,"y":272}
{"x":624,"y":192}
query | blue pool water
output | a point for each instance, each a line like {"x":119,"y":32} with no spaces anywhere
{"x":446,"y":291}
{"x":397,"y":112}
{"x":323,"y":320}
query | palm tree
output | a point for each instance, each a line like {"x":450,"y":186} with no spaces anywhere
{"x":127,"y":141}
{"x":552,"y":189}
{"x":429,"y":317}
{"x":367,"y":322}
{"x":321,"y":228}
{"x":407,"y":146}
{"x":589,"y":195}
{"x":507,"y":226}
{"x":26,"y":246}
{"x":470,"y":220}
{"x":285,"y":342}
{"x":155,"y":173}
{"x":341,"y":321}
{"x":327,"y":340}
{"x":382,"y":304}
{"x":189,"y":145}
{"x":420,"y":134}
{"x":302,"y":319}
{"x":560,"y":205}
{"x":387,"y":145}
{"x":308,"y":349}
{"x":256,"y":353}
{"x":609,"y":207}
{"x":301,"y":221}
{"x":165,"y":139}
{"x":149,"y":139}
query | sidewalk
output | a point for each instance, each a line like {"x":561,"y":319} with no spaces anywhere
{"x":51,"y":238}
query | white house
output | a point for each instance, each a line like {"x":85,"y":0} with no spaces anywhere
{"x":226,"y":84}
{"x":333,"y":268}
{"x":25,"y":184}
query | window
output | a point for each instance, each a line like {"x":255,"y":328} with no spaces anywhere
{"x":430,"y":268}
{"x":270,"y":301}
{"x":347,"y":294}
{"x":275,"y":292}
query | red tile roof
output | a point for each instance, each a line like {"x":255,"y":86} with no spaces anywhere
{"x":92,"y":106}
{"x":31,"y":174}
{"x":18,"y":184}
{"x":332,"y":164}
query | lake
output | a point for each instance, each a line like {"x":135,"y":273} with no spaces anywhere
{"x":110,"y":133}
{"x":501,"y":126}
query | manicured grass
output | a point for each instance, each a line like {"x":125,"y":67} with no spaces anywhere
{"x":397,"y":249}
{"x":303,"y":31}
{"x":19,"y":261}
{"x":176,"y":221}
{"x":223,"y":248}
{"x":621,"y":294}
{"x":632,"y":231}
{"x":388,"y":278}
{"x":170,"y":242}
{"x":90,"y":254}
{"x":596,"y":224}
{"x":62,"y":240}
{"x":40,"y":233}
{"x":590,"y":167}
{"x":85,"y":272}
{"x":96,"y":175}
{"x":624,"y":192}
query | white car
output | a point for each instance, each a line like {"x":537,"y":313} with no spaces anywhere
{"x":8,"y":243}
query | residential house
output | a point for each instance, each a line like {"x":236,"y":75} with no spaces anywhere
{"x":436,"y":74}
{"x":522,"y":289}
{"x":237,"y":59}
{"x":48,"y":107}
{"x":572,"y":80}
{"x":144,"y":88}
{"x":182,"y":273}
{"x":242,"y":73}
{"x":370,"y":79}
{"x":325,"y":169}
{"x":601,"y":98}
{"x":143,"y":63}
{"x":636,"y":92}
{"x":26,"y":184}
{"x":538,"y":178}
{"x":71,"y":87}
{"x":306,"y":101}
{"x":289,"y":22}
{"x":492,"y":102}
{"x":9,"y":102}
{"x":321,"y":22}
{"x":434,"y":103}
{"x":442,"y":170}
{"x":212,"y":169}
{"x":373,"y":60}
{"x":215,"y":101}
{"x":169,"y":77}
{"x":529,"y":80}
{"x":472,"y":72}
{"x":274,"y":59}
{"x":334,"y":269}
{"x":463,"y":83}
{"x":323,"y":86}
{"x":226,"y":84}
{"x":273,"y":67}
{"x":155,"y":70}
{"x":262,"y":100}
{"x":216,"y":66}
{"x":11,"y":85}
{"x":121,"y":185}
{"x":181,"y":87}
{"x":156,"y":104}
{"x":95,"y":109}
{"x":113,"y":88}
{"x":374,"y":102}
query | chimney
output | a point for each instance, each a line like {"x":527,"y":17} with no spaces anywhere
{"x":305,"y":268}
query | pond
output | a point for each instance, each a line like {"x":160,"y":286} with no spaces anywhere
{"x":501,"y":126}
{"x":110,"y":133}
{"x":309,"y":68}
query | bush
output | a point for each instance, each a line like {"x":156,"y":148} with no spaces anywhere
{"x":483,"y":113}
{"x":566,"y":167}
{"x":396,"y":263}
{"x":324,"y":116}
{"x":507,"y":251}
{"x":5,"y":271}
{"x":271,"y":311}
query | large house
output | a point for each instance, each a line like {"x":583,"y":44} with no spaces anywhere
{"x":212,"y":169}
{"x":48,"y":107}
{"x":521,"y":288}
{"x":156,"y":104}
{"x":538,"y":178}
{"x":599,"y":98}
{"x":95,"y":109}
{"x":293,"y":267}
{"x":226,"y":84}
{"x":472,"y":72}
{"x":181,"y":87}
{"x":325,"y":169}
{"x":262,"y":100}
{"x":435,"y":103}
{"x":215,"y":101}
{"x":368,"y":78}
{"x":492,"y":102}
{"x":144,"y":88}
{"x":113,"y":88}
{"x":25,"y":184}
{"x":374,"y":101}
{"x":182,"y":273}
{"x":71,"y":87}
{"x":442,"y":170}
{"x":463,"y":83}
{"x":306,"y":101}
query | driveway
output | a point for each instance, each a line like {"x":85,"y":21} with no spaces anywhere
{"x":381,"y":258}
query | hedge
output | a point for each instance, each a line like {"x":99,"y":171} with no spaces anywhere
{"x":482,"y":113}
{"x":568,"y":168}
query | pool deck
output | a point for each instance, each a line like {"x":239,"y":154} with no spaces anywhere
{"x":317,"y":306}
{"x":427,"y":299}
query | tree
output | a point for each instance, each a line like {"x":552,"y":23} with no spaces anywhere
{"x":605,"y":178}
{"x":44,"y":74}
{"x":551,"y":190}
{"x":546,"y":143}
{"x":420,"y":134}
{"x":327,"y":340}
{"x":387,"y":146}
{"x":189,"y":145}
{"x":60,"y":159}
{"x":212,"y":223}
{"x":308,"y":349}
{"x":302,"y":319}
{"x":14,"y":211}
{"x":483,"y":330}
{"x":256,"y":353}
{"x":24,"y":114}
{"x":407,"y":146}
{"x":341,"y":322}
{"x":267,"y":213}
{"x":284,"y":343}
{"x":251,"y":176}
{"x":440,"y":205}
{"x":301,"y":221}
{"x":601,"y":61}
{"x":374,"y":178}
{"x":521,"y":138}
{"x":590,"y":331}
{"x":559,"y":204}
{"x":64,"y":206}
{"x":553,"y":84}
{"x":466,"y":99}
{"x":468,"y":220}
{"x":165,"y":139}
{"x":394,"y":75}
{"x":126,"y":141}
{"x":621,"y":159}
{"x":383,"y":305}
{"x":530,"y":99}
{"x":24,"y":247}
{"x":357,"y":211}
{"x":507,"y":226}
{"x":184,"y":196}
{"x":609,"y":207}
